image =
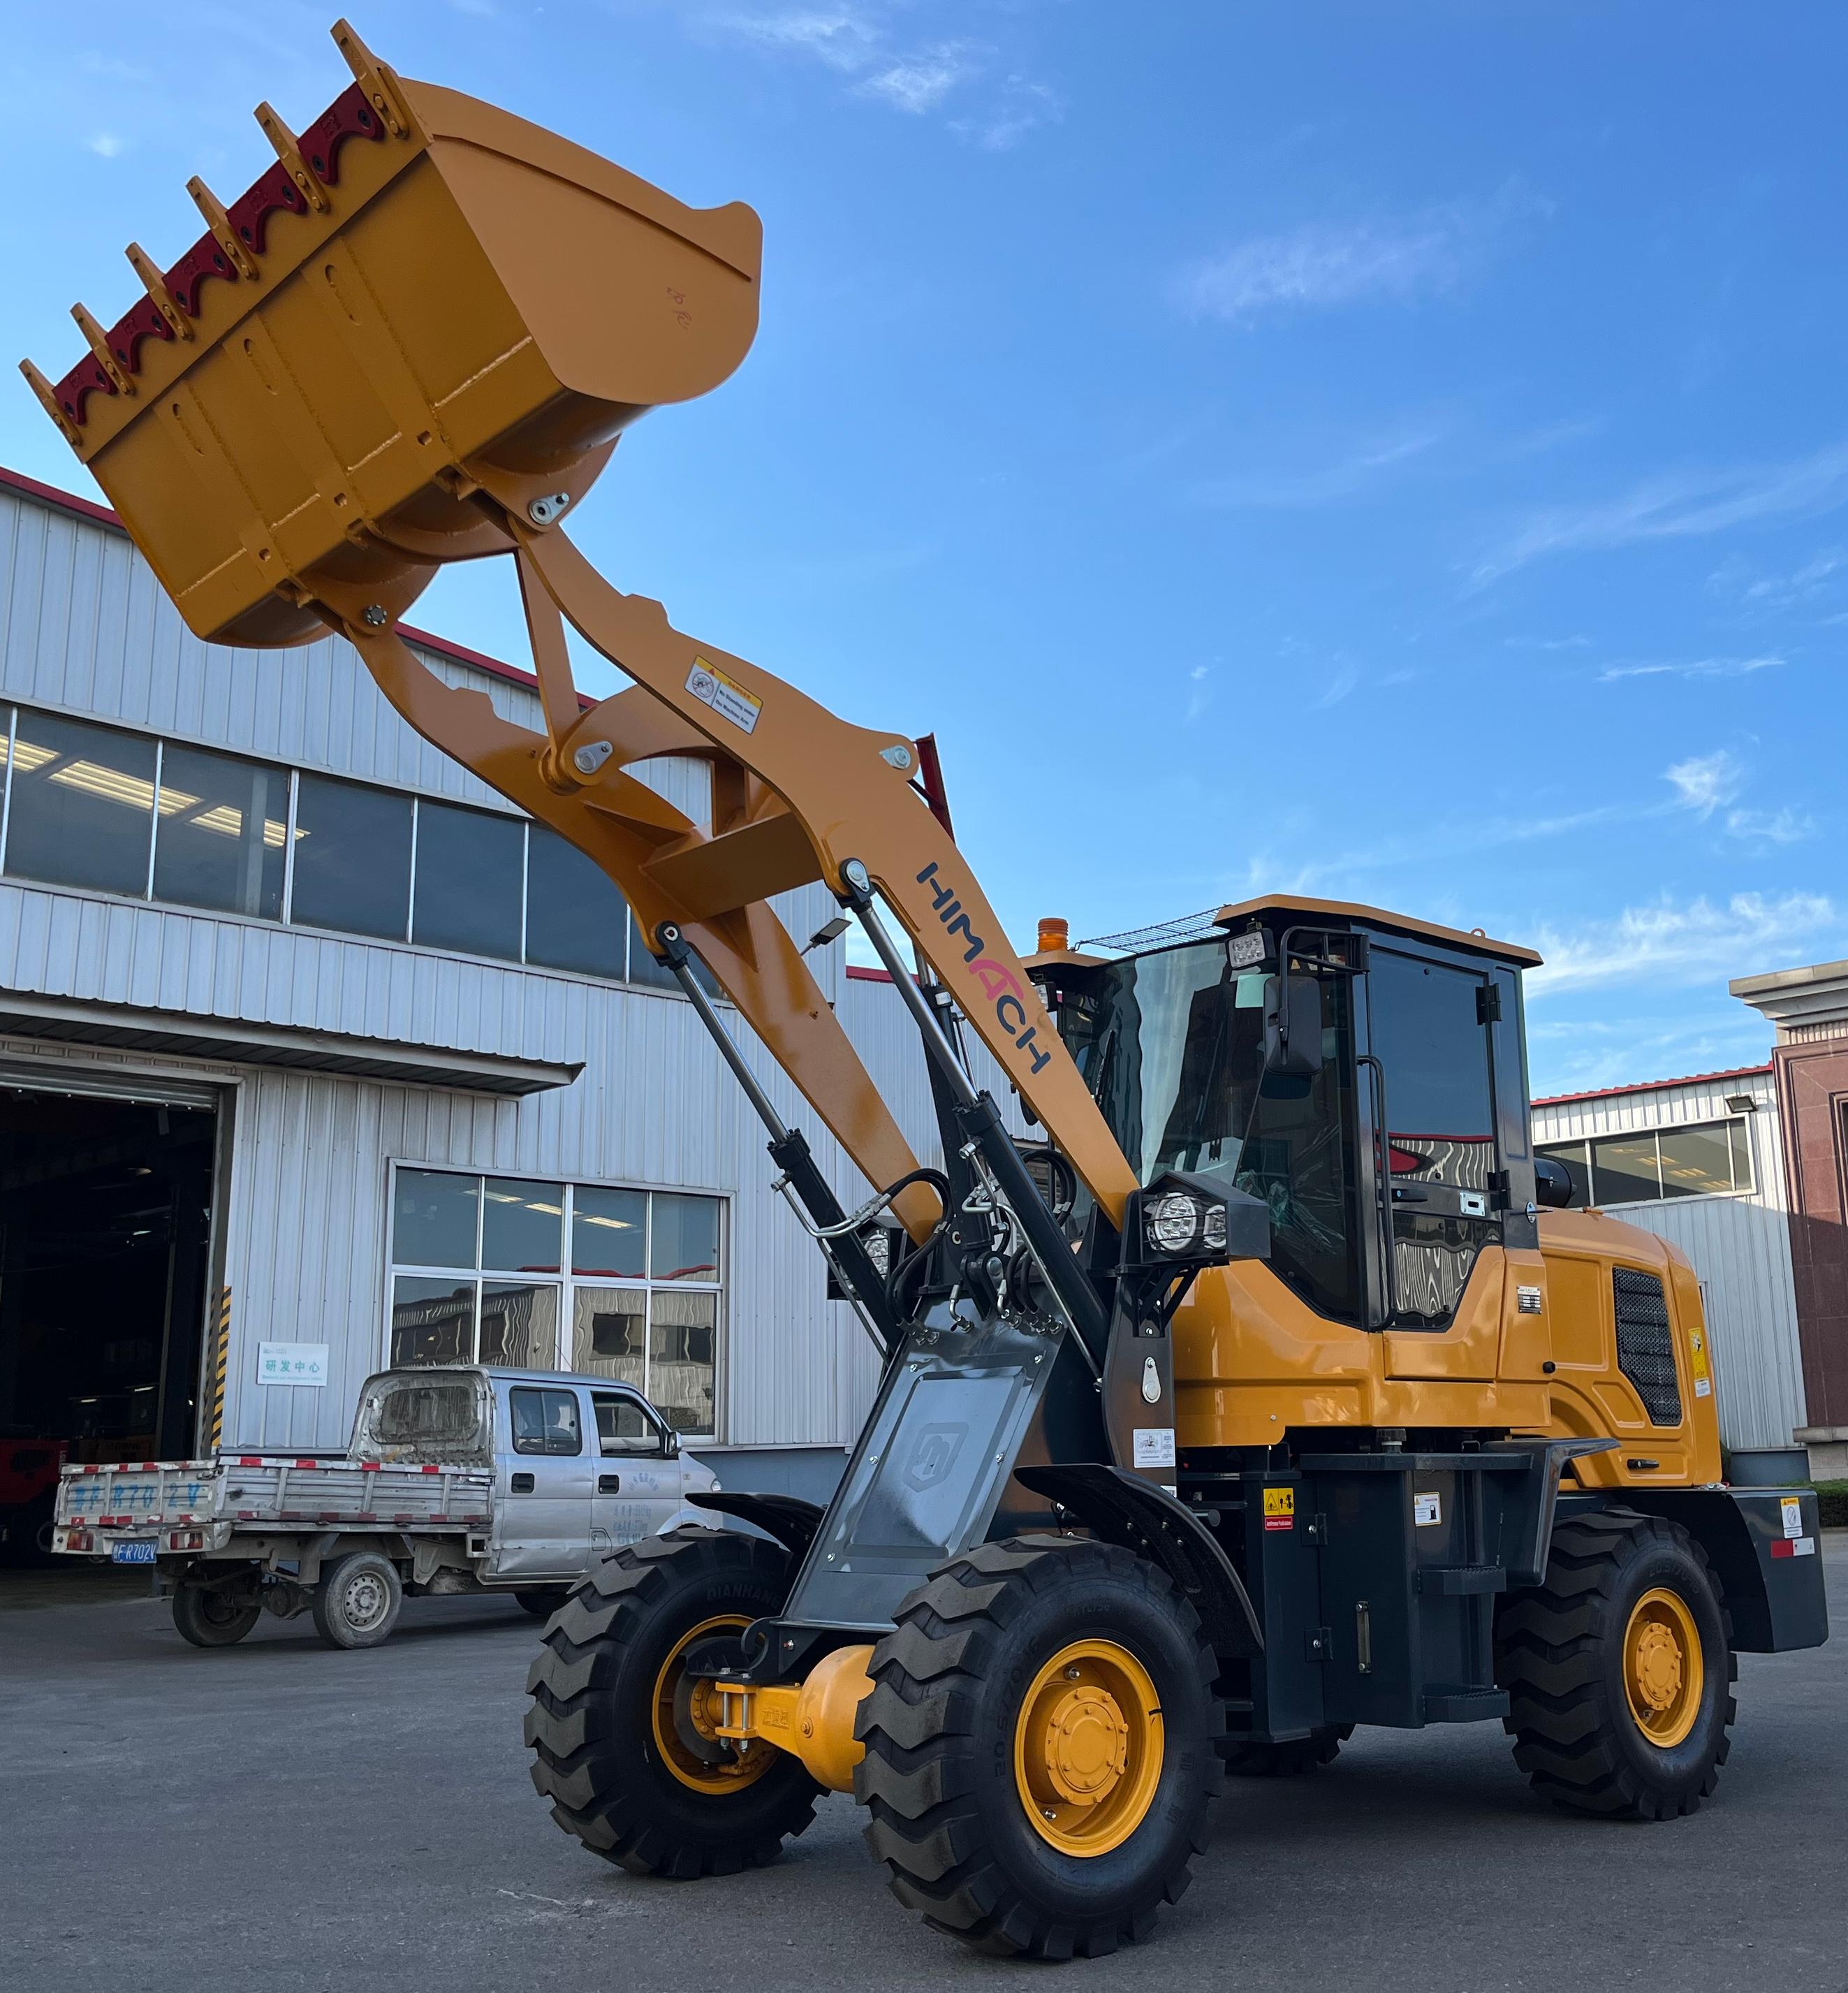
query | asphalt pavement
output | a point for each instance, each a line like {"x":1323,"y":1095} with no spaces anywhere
{"x":277,"y":1816}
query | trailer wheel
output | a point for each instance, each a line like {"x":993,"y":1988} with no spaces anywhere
{"x":623,"y":1738}
{"x":1288,"y":1760}
{"x":356,"y":1604}
{"x":215,"y":1615}
{"x":1040,"y":1747}
{"x":1619,"y":1669}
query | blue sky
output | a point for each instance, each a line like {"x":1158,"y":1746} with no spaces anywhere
{"x":1393,"y":452}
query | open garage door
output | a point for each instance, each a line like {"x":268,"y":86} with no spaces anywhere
{"x":106,"y":1202}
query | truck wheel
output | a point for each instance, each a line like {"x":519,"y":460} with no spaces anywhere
{"x":1040,"y":1747}
{"x":215,"y":1615}
{"x":1287,"y":1761}
{"x":623,"y":1740}
{"x":1618,"y":1670}
{"x":357,"y":1602}
{"x":541,"y":1604}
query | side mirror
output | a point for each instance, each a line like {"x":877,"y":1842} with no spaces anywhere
{"x":1292,"y":1026}
{"x":1553,"y":1186}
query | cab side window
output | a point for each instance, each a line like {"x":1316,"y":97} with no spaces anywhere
{"x":1428,"y":1030}
{"x":545,"y":1421}
{"x":622,"y":1427}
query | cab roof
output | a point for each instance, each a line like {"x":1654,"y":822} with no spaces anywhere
{"x":1474,"y":940}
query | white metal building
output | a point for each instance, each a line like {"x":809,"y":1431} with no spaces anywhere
{"x":294,"y":1010}
{"x":1700,"y":1161}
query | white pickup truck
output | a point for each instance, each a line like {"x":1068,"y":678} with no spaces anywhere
{"x":464,"y":1478}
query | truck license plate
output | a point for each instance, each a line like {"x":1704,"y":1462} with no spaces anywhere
{"x":140,"y":1550}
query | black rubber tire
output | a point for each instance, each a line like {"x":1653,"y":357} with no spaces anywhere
{"x":215,"y":1615}
{"x":542,"y":1604}
{"x":1290,"y":1760}
{"x":1559,"y":1652}
{"x":357,"y":1602}
{"x":591,"y":1724}
{"x":938,"y":1779}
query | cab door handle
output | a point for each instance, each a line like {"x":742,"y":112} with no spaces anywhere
{"x":521,"y":1484}
{"x":610,"y":1484}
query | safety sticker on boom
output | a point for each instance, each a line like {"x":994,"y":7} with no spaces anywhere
{"x":725,"y":696}
{"x":1279,"y":1508}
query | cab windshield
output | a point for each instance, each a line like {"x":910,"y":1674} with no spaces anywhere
{"x":1171,"y":1045}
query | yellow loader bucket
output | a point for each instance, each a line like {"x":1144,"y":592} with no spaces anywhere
{"x":425,"y":297}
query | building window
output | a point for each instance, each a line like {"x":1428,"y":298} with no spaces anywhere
{"x":576,"y":918}
{"x":115,"y":812}
{"x":1703,"y":1159}
{"x":478,"y":1274}
{"x":352,"y":859}
{"x":222,"y":835}
{"x":80,"y":805}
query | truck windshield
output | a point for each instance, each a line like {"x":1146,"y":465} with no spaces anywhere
{"x":1172,"y":1046}
{"x":426,"y":1417}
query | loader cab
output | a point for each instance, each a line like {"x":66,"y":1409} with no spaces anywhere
{"x":1363,"y":1074}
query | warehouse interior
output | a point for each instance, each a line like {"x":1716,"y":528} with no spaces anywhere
{"x":105,"y":1241}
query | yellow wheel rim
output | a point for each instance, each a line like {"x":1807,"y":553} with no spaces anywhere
{"x":1664,"y":1669}
{"x":1088,"y":1746}
{"x":677,"y":1710}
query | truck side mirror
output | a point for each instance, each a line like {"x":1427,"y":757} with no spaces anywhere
{"x":1553,"y":1186}
{"x":1292,"y":1026}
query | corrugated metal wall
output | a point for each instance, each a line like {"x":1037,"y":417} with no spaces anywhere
{"x":84,"y":629}
{"x":1740,"y":1245}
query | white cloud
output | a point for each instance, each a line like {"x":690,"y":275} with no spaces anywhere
{"x":1325,"y":264}
{"x":1699,"y":942}
{"x":920,"y":82}
{"x":1678,"y":505}
{"x":858,"y":43}
{"x":1695,"y":668}
{"x":1782,"y":826}
{"x":1704,"y":782}
{"x":105,"y":145}
{"x":837,"y":36}
{"x":1024,"y":107}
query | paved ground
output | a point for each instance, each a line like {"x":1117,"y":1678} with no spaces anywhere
{"x":279,"y":1816}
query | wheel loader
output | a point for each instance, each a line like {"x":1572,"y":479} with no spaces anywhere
{"x":1264,"y":1391}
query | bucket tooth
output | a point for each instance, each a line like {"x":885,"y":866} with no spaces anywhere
{"x":155,"y":285}
{"x":220,"y":224}
{"x":288,"y":150}
{"x":48,"y":396}
{"x":380,"y":85}
{"x":99,"y":345}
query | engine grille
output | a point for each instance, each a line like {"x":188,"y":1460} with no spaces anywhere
{"x":1645,"y":1348}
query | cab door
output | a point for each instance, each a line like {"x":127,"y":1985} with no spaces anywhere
{"x":544,"y":1474}
{"x":1436,"y":1166}
{"x":639,"y":1474}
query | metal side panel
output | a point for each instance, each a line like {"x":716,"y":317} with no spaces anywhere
{"x":928,"y":1473}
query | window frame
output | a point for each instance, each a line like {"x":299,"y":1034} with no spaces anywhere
{"x":566,"y":1280}
{"x":1590,"y":1138}
{"x":644,"y":976}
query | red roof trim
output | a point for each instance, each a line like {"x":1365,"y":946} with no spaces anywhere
{"x":860,"y":975}
{"x":100,"y":515}
{"x":1653,"y":1086}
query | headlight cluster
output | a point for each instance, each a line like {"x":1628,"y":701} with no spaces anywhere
{"x":1183,"y":1224}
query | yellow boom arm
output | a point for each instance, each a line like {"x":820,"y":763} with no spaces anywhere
{"x":417,"y":339}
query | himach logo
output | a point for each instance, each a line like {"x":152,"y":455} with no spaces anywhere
{"x":1000,"y":987}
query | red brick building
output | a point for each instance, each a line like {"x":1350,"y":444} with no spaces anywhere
{"x":1809,"y":1007}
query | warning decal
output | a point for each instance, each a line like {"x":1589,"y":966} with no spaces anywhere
{"x":1427,"y":1510}
{"x":1279,"y":1508}
{"x":725,"y":696}
{"x":1793,"y":1516}
{"x":1154,"y":1446}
